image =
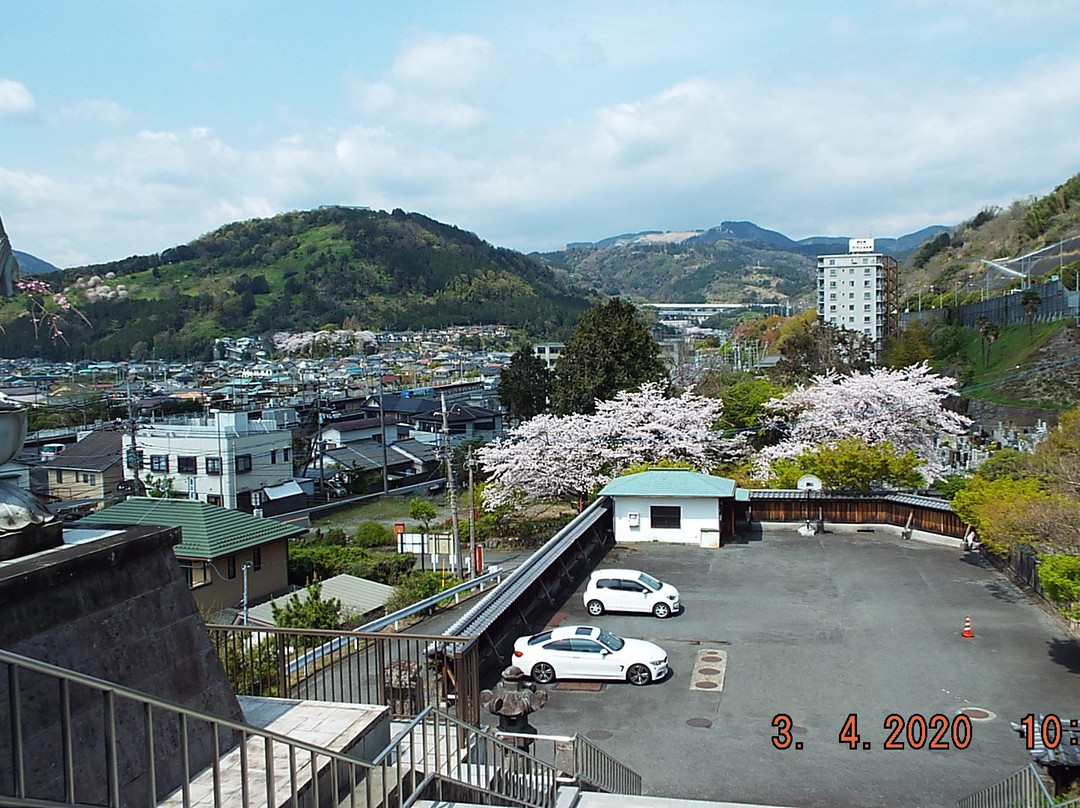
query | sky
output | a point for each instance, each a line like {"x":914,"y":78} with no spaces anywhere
{"x":127,"y":127}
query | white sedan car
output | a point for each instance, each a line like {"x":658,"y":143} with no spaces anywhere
{"x":587,"y":652}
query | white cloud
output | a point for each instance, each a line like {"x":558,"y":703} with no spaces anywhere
{"x":436,"y":81}
{"x":94,"y":110}
{"x":15,"y":98}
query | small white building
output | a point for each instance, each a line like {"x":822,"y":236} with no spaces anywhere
{"x":674,"y":505}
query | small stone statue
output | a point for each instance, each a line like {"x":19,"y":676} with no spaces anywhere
{"x":512,"y":699}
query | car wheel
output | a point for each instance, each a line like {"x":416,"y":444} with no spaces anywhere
{"x":542,"y":673}
{"x":595,"y":607}
{"x":638,"y":675}
{"x":661,"y":610}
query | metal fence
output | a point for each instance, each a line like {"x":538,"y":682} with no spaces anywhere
{"x":66,"y":750}
{"x":581,"y":762}
{"x":1024,"y":789}
{"x":406,"y":672}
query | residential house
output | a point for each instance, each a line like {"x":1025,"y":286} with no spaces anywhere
{"x":86,"y":474}
{"x":360,"y":599}
{"x":238,"y":460}
{"x":674,"y":505}
{"x":221,"y":551}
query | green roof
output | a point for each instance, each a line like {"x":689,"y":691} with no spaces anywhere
{"x":669,"y":483}
{"x":208,"y":531}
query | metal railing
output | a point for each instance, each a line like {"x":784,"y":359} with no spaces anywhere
{"x":76,"y":740}
{"x":406,"y":672}
{"x":1023,"y":789}
{"x":581,"y":762}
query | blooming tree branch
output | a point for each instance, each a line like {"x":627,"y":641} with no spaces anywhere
{"x":902,"y":407}
{"x":570,"y":457}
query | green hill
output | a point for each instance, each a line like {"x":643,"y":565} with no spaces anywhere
{"x":298,"y":272}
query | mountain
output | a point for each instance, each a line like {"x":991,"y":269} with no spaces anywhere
{"x":736,"y":262}
{"x":302,"y":271}
{"x":31,"y":265}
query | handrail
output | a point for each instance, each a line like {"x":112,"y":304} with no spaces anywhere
{"x":431,"y":749}
{"x":585,"y":762}
{"x":1021,"y":789}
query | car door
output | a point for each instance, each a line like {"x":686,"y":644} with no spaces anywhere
{"x":636,"y":597}
{"x":560,"y":656}
{"x":609,"y":591}
{"x":592,"y":659}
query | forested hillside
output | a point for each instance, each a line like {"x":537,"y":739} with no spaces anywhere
{"x":300,"y":271}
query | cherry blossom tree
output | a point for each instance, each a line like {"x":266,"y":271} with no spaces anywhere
{"x":902,"y":407}
{"x":569,"y":457}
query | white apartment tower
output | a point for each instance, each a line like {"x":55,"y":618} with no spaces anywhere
{"x":860,"y":291}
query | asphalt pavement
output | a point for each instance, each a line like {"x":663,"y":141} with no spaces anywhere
{"x":814,"y":630}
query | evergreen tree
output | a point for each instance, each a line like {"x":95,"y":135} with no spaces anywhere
{"x":610,"y":350}
{"x":312,"y":612}
{"x":524,"y":385}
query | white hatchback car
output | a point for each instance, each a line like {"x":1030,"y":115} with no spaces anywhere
{"x":629,"y":591}
{"x":588,"y":652}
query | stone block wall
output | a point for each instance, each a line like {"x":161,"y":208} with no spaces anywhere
{"x":118,"y":609}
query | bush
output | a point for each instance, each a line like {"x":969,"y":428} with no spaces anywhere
{"x":372,"y":534}
{"x":308,"y":562}
{"x":418,"y":585}
{"x":1060,"y":579}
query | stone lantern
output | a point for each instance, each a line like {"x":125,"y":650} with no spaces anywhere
{"x":25,"y":526}
{"x":512,"y":699}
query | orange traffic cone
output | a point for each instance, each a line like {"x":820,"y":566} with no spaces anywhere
{"x":967,"y":632}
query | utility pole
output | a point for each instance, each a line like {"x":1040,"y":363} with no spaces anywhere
{"x":472,"y":517}
{"x":450,"y":478}
{"x":246,"y":566}
{"x":382,"y":428}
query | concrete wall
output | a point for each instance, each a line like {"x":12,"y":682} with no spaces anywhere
{"x":698,"y":514}
{"x":116,"y":608}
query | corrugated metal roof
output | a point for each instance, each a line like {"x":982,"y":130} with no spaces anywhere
{"x":669,"y":483}
{"x":208,"y":531}
{"x":358,"y":597}
{"x":933,"y":503}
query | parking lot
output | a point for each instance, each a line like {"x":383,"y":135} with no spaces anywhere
{"x":820,"y":628}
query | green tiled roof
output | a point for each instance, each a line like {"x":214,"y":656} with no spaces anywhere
{"x":208,"y":531}
{"x":669,"y":483}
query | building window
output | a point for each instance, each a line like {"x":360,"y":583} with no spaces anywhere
{"x":866,"y":319}
{"x":185,"y":465}
{"x":665,"y":517}
{"x":273,"y":457}
{"x":93,"y":479}
{"x":866,"y":295}
{"x":213,"y":499}
{"x":256,"y":558}
{"x":866,"y":307}
{"x":197,"y":573}
{"x":832,"y":284}
{"x":59,"y":475}
{"x":230,"y":567}
{"x":243,"y":463}
{"x":133,"y":459}
{"x":159,"y":463}
{"x":213,"y":465}
{"x":284,"y":455}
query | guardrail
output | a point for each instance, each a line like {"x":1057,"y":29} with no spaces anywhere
{"x":581,"y":762}
{"x":76,"y":740}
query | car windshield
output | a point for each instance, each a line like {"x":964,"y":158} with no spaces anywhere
{"x":610,"y":640}
{"x":650,"y":582}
